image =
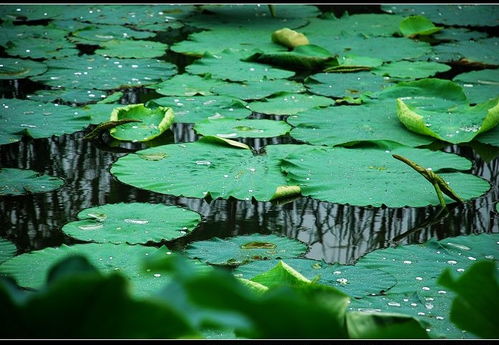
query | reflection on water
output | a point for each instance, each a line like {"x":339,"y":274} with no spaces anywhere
{"x":335,"y":233}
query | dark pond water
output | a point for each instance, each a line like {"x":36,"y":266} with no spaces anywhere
{"x":335,"y":233}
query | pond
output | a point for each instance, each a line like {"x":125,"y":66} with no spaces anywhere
{"x":334,"y":228}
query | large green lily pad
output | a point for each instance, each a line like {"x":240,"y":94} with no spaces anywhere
{"x":21,"y":181}
{"x":30,"y":12}
{"x":154,"y":121}
{"x":479,"y":86}
{"x":243,"y":249}
{"x":132,"y":49}
{"x":459,"y":34}
{"x":461,"y":15}
{"x":227,"y":65}
{"x":100,"y":34}
{"x":30,"y":269}
{"x":411,"y":70}
{"x":352,"y":280}
{"x":97,"y":72}
{"x":480,"y":52}
{"x":41,"y":48}
{"x":19,"y":68}
{"x":258,"y":89}
{"x":38,"y":120}
{"x":67,"y":95}
{"x":349,"y":124}
{"x":416,"y":269}
{"x":187,"y":85}
{"x":345,"y":84}
{"x":7,"y":250}
{"x":230,"y":128}
{"x":207,"y":166}
{"x":200,"y":108}
{"x":15,"y":33}
{"x":289,"y":104}
{"x":490,"y":137}
{"x":373,"y":177}
{"x":132,"y":223}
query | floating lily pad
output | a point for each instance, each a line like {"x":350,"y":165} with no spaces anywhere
{"x":289,"y":104}
{"x":345,"y":84}
{"x":98,"y":113}
{"x":480,"y":52}
{"x":417,"y":267}
{"x":243,"y":249}
{"x":132,"y":223}
{"x":352,"y":280}
{"x":479,"y":86}
{"x":353,"y":63}
{"x":348,"y":124}
{"x":216,"y":41}
{"x":373,"y":177}
{"x":41,"y":48}
{"x":417,"y":26}
{"x":7,"y":250}
{"x":491,"y":137}
{"x":154,"y":121}
{"x":19,"y":68}
{"x":14,"y":33}
{"x":459,"y":34}
{"x":199,"y":108}
{"x":30,"y":12}
{"x":132,"y":49}
{"x":97,"y":72}
{"x":230,"y":128}
{"x":462,"y":15}
{"x":258,"y":89}
{"x":207,"y":167}
{"x":412,"y":70}
{"x":100,"y":34}
{"x":227,"y":65}
{"x":67,"y":95}
{"x":38,"y":120}
{"x":30,"y":269}
{"x":187,"y":85}
{"x":21,"y":181}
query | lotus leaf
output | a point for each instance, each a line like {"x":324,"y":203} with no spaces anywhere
{"x":100,"y":34}
{"x":70,"y":25}
{"x":207,"y":167}
{"x":154,"y":121}
{"x":229,"y":11}
{"x":370,"y":25}
{"x":227,"y":65}
{"x":417,"y":26}
{"x":216,"y":41}
{"x":97,"y":72}
{"x":345,"y":84}
{"x":257,"y":89}
{"x":347,"y":124}
{"x":289,"y":104}
{"x":19,"y":68}
{"x":112,"y":98}
{"x":480,"y":52}
{"x":30,"y":269}
{"x":416,"y":268}
{"x":38,"y":120}
{"x":132,"y":223}
{"x":132,"y":49}
{"x":199,"y":108}
{"x":98,"y":113}
{"x":490,"y":137}
{"x":461,"y":15}
{"x":383,"y":326}
{"x":30,"y":12}
{"x":67,"y":95}
{"x":20,"y":181}
{"x":474,"y":311}
{"x":353,"y":281}
{"x":17,"y":33}
{"x":373,"y":177}
{"x":41,"y":48}
{"x":243,"y":249}
{"x":353,"y":63}
{"x":412,"y":70}
{"x":479,"y":86}
{"x":187,"y":85}
{"x":459,"y":34}
{"x":230,"y":128}
{"x":7,"y":249}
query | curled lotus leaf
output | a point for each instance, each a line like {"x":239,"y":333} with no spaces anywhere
{"x":243,"y":249}
{"x":153,"y":122}
{"x":371,"y":176}
{"x":21,"y":181}
{"x":417,"y":26}
{"x":132,"y":223}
